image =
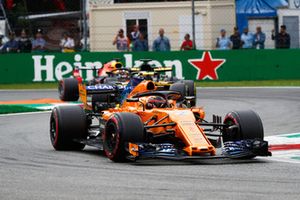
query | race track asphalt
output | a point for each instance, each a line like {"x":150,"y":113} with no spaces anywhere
{"x":31,"y":169}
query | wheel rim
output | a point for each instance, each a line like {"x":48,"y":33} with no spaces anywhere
{"x":230,"y":135}
{"x":230,"y":122}
{"x":111,"y":137}
{"x":61,"y":89}
{"x":53,"y":131}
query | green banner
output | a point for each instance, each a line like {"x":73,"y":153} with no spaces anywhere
{"x":234,"y":65}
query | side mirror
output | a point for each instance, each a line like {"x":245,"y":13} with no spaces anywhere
{"x":132,"y":99}
{"x":135,"y":100}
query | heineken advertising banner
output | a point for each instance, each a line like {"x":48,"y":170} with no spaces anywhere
{"x":194,"y":65}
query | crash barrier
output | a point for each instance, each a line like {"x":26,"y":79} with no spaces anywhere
{"x":196,"y":65}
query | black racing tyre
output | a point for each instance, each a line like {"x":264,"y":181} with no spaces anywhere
{"x":249,"y":126}
{"x":68,"y":123}
{"x":186,"y":88}
{"x":190,"y":90}
{"x":68,"y":89}
{"x":179,"y":87}
{"x":172,"y":79}
{"x":190,"y":87}
{"x":120,"y":129}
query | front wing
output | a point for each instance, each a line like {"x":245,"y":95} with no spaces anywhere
{"x":234,"y":149}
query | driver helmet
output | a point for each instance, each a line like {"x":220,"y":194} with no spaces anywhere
{"x":115,"y":65}
{"x":109,"y":67}
{"x":156,"y":102}
{"x":123,"y":74}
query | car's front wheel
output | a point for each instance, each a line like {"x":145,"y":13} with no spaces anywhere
{"x":248,"y":125}
{"x":120,"y":129}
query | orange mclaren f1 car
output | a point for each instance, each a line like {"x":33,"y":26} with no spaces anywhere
{"x":151,"y":124}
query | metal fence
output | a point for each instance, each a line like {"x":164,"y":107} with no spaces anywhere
{"x":94,"y":24}
{"x":175,"y":17}
{"x":50,"y":18}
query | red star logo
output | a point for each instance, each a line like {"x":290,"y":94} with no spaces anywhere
{"x":207,"y":66}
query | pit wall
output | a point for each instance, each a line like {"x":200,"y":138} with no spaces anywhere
{"x":240,"y":65}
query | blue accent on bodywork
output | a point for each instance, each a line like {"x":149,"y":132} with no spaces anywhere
{"x":232,"y":149}
{"x":153,"y":150}
{"x":244,"y":148}
{"x":129,"y":87}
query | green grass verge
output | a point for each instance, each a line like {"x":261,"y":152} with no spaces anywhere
{"x":30,"y":86}
{"x":5,"y":109}
{"x":198,"y":84}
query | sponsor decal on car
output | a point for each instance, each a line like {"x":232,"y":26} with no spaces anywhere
{"x":99,"y":87}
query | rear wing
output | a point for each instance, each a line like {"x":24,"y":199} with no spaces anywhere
{"x":163,"y":69}
{"x":101,"y":89}
{"x":89,"y":68}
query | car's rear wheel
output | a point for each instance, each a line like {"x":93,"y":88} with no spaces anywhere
{"x":179,"y":87}
{"x":186,"y":88}
{"x":120,"y":129}
{"x":190,"y":87}
{"x":248,"y":125}
{"x":68,"y":89}
{"x":68,"y":125}
{"x":190,"y":90}
{"x":172,"y":79}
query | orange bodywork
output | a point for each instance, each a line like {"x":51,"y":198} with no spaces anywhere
{"x":83,"y":96}
{"x":185,"y":127}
